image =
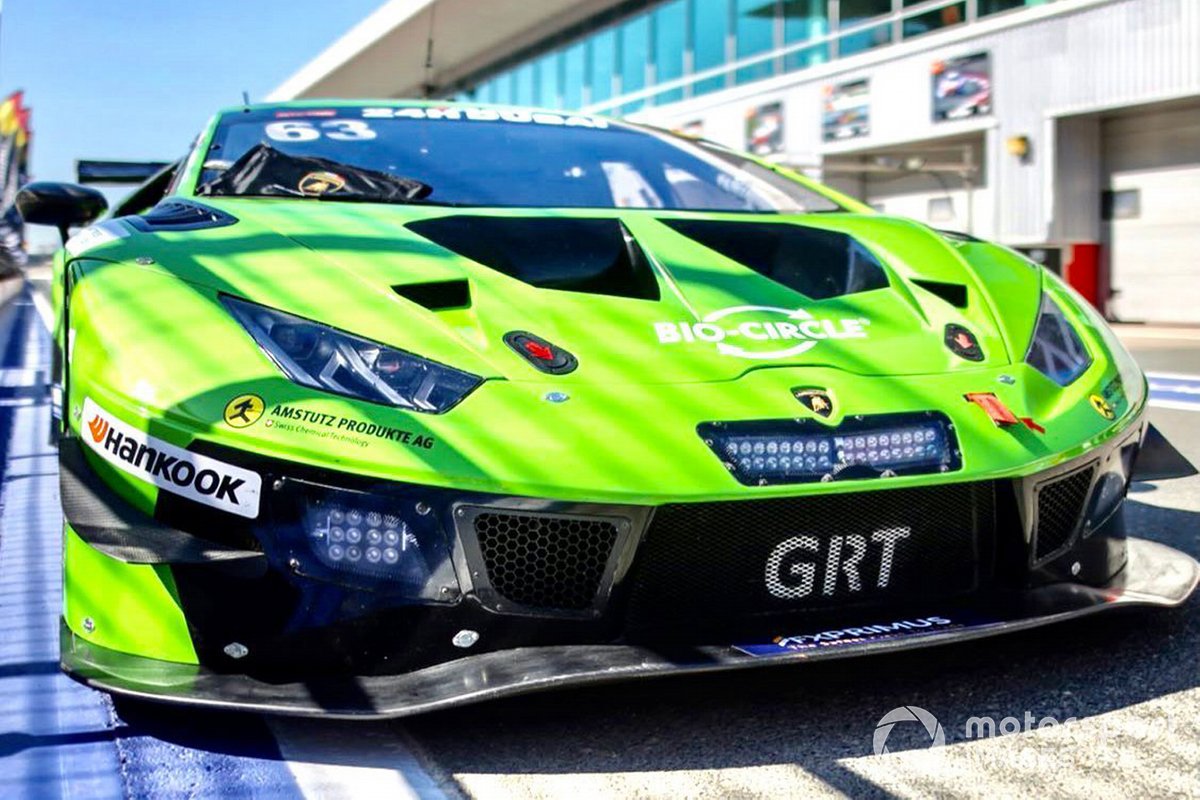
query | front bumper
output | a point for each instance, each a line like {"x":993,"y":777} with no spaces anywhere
{"x":1154,"y":576}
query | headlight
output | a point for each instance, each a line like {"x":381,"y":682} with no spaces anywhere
{"x":325,"y":358}
{"x":1056,"y":350}
{"x":385,"y":538}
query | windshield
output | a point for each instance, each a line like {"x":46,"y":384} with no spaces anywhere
{"x":487,"y":157}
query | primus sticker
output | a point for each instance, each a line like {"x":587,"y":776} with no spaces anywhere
{"x":191,"y":475}
{"x":887,"y":630}
{"x":797,"y":326}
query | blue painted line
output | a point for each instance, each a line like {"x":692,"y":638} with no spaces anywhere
{"x":1175,"y":382}
{"x":59,"y":739}
{"x":1174,"y":394}
{"x":1175,"y":391}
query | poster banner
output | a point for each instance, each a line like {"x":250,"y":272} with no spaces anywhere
{"x":847,"y":111}
{"x":764,"y":129}
{"x":962,"y":87}
{"x":14,"y":173}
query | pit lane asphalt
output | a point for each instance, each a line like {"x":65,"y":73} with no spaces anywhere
{"x":1126,"y":685}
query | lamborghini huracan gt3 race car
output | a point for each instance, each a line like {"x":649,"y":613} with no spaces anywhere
{"x":374,"y":408}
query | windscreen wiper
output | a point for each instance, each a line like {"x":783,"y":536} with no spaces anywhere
{"x":263,"y":171}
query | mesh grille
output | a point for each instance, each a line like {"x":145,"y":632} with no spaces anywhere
{"x":1059,"y":509}
{"x":708,"y":563}
{"x":543,"y":561}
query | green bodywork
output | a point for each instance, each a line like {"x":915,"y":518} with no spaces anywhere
{"x":151,"y":343}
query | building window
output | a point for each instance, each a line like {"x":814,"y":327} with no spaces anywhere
{"x":857,"y":12}
{"x":987,"y":7}
{"x":670,"y":41}
{"x":549,"y":73}
{"x":574,"y":75}
{"x":635,"y":58}
{"x":602,"y":65}
{"x":710,"y":38}
{"x":503,"y":83}
{"x":755,"y":34}
{"x":674,"y":40}
{"x":523,"y":80}
{"x":935,"y":20}
{"x":804,"y":20}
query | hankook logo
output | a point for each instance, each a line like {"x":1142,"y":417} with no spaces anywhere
{"x":170,"y":468}
{"x":796,"y":331}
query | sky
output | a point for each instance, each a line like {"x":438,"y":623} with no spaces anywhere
{"x":138,"y":79}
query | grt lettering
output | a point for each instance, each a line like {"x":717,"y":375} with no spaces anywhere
{"x":170,"y":468}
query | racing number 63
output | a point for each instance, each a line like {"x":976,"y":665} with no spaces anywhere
{"x":341,"y":130}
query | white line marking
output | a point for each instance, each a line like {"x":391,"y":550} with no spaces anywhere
{"x":1178,"y":405}
{"x":331,"y":763}
{"x":1173,"y":376}
{"x":42,"y":306}
{"x":1135,"y":332}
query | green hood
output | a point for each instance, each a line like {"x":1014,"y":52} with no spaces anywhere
{"x":343,"y":264}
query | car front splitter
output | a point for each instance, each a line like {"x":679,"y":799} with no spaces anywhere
{"x":1155,"y":575}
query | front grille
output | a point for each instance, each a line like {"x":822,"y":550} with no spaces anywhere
{"x":704,"y":563}
{"x":543,"y":561}
{"x":1060,"y":511}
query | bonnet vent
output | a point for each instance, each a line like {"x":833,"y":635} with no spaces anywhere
{"x":953,"y":293}
{"x":817,"y":263}
{"x":437,"y":295}
{"x":594,"y":256}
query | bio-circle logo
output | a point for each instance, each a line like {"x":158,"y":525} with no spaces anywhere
{"x":775,"y":332}
{"x":937,"y":736}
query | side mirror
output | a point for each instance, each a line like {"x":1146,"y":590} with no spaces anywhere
{"x":60,"y":204}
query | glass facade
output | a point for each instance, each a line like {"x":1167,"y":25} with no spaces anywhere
{"x":670,"y":50}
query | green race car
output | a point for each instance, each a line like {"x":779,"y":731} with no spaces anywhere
{"x":370,"y":408}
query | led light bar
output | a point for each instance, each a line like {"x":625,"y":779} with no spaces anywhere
{"x":764,"y":452}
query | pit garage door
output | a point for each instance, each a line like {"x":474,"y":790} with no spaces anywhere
{"x":1151,"y":213}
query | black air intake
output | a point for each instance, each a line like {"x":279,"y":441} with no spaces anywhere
{"x":1060,"y":504}
{"x":542,"y":561}
{"x":596,"y":256}
{"x":817,"y":263}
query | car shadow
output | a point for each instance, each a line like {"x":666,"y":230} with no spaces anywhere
{"x":811,"y":717}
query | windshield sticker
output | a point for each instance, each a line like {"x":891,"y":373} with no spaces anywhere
{"x":485,"y":115}
{"x":318,"y":183}
{"x":796,"y":332}
{"x":94,"y":236}
{"x":340,"y":130}
{"x":295,"y":113}
{"x":199,"y":478}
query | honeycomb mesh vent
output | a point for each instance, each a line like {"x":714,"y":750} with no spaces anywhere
{"x":1059,"y":509}
{"x":542,"y":561}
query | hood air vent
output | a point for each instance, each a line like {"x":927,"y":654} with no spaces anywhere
{"x":816,"y":263}
{"x":953,"y":293}
{"x":438,"y":295}
{"x":594,"y":256}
